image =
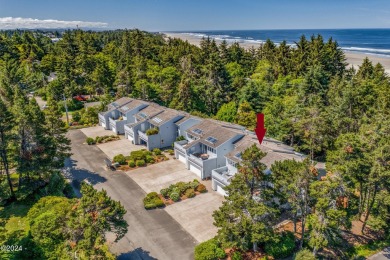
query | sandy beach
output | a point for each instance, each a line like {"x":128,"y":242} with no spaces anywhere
{"x":353,"y":58}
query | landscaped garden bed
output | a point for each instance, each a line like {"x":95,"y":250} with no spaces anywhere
{"x":101,"y":139}
{"x":139,"y":158}
{"x":174,"y":193}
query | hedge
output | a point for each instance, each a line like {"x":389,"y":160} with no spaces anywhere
{"x":201,"y":188}
{"x":157,"y":151}
{"x":138,"y":155}
{"x":175,"y":196}
{"x":90,"y":141}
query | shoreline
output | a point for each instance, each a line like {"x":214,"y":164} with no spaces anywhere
{"x":354,"y":59}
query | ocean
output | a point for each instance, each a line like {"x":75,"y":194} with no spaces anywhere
{"x":367,"y":41}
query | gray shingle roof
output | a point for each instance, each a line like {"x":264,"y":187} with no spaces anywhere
{"x":165,"y":116}
{"x":212,"y":134}
{"x":131,"y":105}
{"x":120,"y":102}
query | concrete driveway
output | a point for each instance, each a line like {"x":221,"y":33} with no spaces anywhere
{"x":97,"y":131}
{"x":195,"y":214}
{"x":153,"y":234}
{"x":122,"y":146}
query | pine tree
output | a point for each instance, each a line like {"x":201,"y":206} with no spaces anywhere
{"x":6,"y":124}
{"x":246,"y":216}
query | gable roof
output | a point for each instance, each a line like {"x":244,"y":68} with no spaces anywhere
{"x":134,"y":103}
{"x":276,"y":151}
{"x":212,"y":134}
{"x":120,"y":102}
{"x":166,"y":115}
{"x":149,"y":111}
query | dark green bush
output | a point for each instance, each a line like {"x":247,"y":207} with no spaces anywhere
{"x":190,"y":193}
{"x":140,"y":163}
{"x":164,"y":192}
{"x":157,"y":151}
{"x":76,"y":116}
{"x":209,"y":250}
{"x":99,"y":139}
{"x":180,"y":138}
{"x":131,"y":163}
{"x":120,"y":158}
{"x":283,"y":247}
{"x":152,"y":131}
{"x":201,"y":188}
{"x":175,"y":196}
{"x":90,"y":141}
{"x":149,"y":159}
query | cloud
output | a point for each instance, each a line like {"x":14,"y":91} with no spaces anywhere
{"x":31,"y":23}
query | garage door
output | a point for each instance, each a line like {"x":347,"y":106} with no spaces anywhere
{"x":221,"y":190}
{"x":182,"y":158}
{"x":130,"y":137}
{"x":104,"y":125}
{"x":196,"y":170}
{"x":114,"y":129}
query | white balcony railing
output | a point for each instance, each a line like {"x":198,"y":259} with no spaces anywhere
{"x":143,"y":136}
{"x":179,"y":147}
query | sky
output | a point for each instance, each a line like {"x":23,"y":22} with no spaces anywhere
{"x":192,"y":15}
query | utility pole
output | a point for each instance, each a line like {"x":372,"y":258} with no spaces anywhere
{"x":66,"y":109}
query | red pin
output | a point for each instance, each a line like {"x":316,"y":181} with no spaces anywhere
{"x":260,"y":130}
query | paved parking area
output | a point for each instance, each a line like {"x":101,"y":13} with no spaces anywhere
{"x":122,"y":146}
{"x":97,"y":131}
{"x":194,"y":215}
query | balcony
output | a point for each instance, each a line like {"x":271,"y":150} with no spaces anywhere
{"x":143,"y":136}
{"x":222,"y":175}
{"x":200,"y":159}
{"x":179,"y":146}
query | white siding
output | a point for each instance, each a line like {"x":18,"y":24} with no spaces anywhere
{"x":221,"y":190}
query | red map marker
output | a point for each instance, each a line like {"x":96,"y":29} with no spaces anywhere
{"x":260,"y":130}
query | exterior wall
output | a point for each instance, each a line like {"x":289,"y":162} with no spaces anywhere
{"x":130,"y":118}
{"x":187,"y":124}
{"x":225,"y":148}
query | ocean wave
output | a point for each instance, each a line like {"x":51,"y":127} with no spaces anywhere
{"x":366,"y":50}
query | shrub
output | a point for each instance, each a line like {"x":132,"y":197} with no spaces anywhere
{"x":131,"y":163}
{"x":193,"y":184}
{"x":190,"y":193}
{"x":137,"y":155}
{"x":201,"y":188}
{"x":171,"y":187}
{"x":157,"y":151}
{"x":182,"y":187}
{"x":236,"y":256}
{"x":170,"y":152}
{"x":180,"y":138}
{"x":76,"y":116}
{"x":209,"y":250}
{"x":164,"y":192}
{"x":149,"y":159}
{"x":304,"y":254}
{"x":282,"y":248}
{"x":90,"y":141}
{"x":175,"y":196}
{"x":120,"y":158}
{"x":99,"y":139}
{"x":140,"y":163}
{"x":152,"y":200}
{"x":152,"y":131}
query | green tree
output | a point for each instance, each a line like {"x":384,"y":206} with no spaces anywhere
{"x":246,"y":216}
{"x":246,"y":116}
{"x":227,"y":112}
